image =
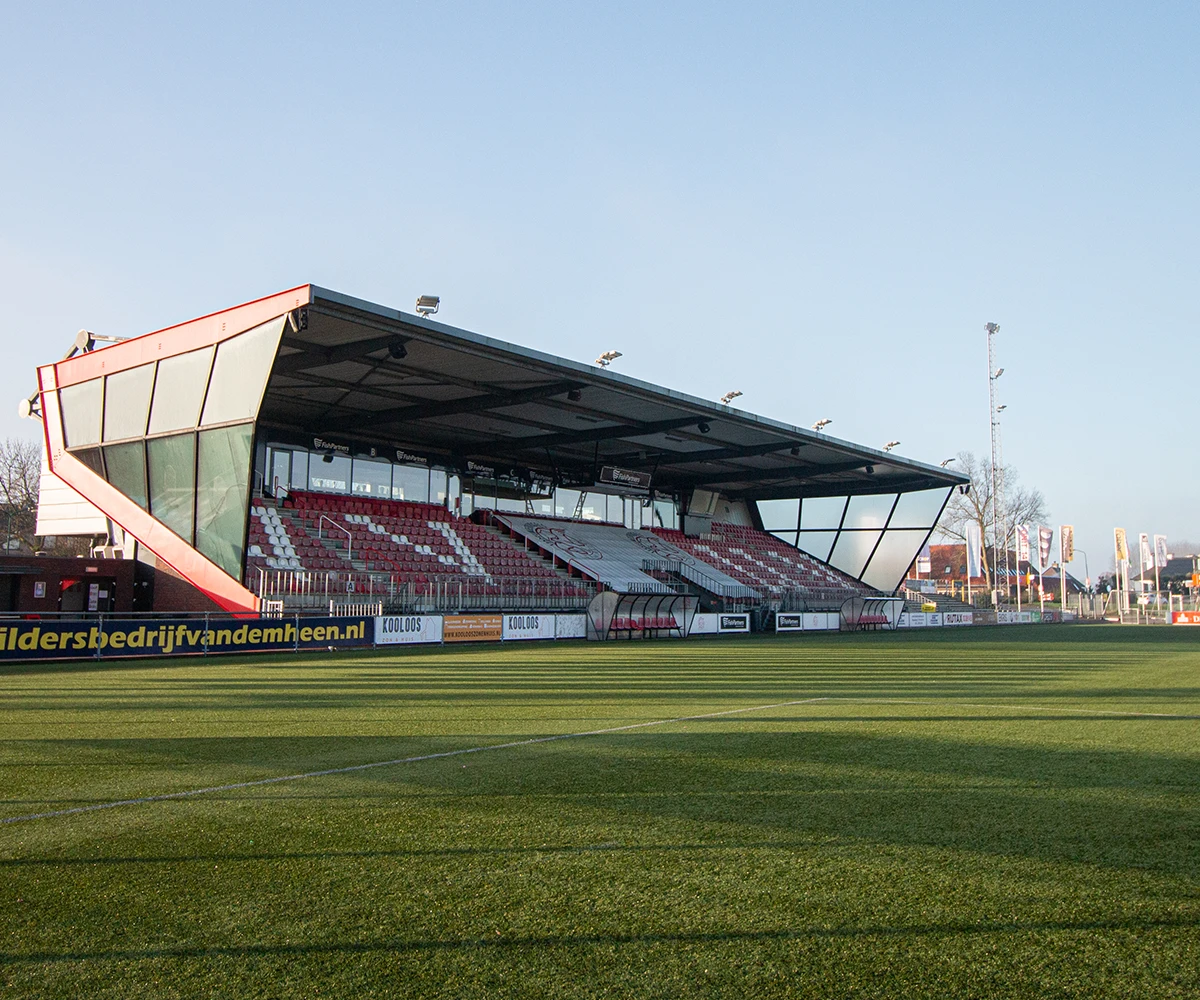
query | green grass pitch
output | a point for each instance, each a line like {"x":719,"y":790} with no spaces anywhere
{"x":960,"y":813}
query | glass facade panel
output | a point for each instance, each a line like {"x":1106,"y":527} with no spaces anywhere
{"x":437,"y":486}
{"x":81,"y":412}
{"x":127,"y":403}
{"x":816,"y":543}
{"x":565,"y":502}
{"x":664,"y":514}
{"x":91,"y":458}
{"x":372,"y":478}
{"x":127,"y":470}
{"x":918,"y":510}
{"x":240,"y":372}
{"x":331,"y":476}
{"x":821,"y":512}
{"x":172,"y":468}
{"x":410,"y":482}
{"x":595,"y":507}
{"x":300,"y":465}
{"x":179,"y":391}
{"x":893,"y":557}
{"x":785,"y":536}
{"x":778,"y":515}
{"x":281,"y":471}
{"x":852,"y":549}
{"x":222,"y":493}
{"x":870,"y":511}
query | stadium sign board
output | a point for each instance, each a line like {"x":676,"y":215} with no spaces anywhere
{"x":472,"y":628}
{"x":53,"y":640}
{"x":393,"y":630}
{"x":529,"y":626}
{"x":1185,"y":617}
{"x":629,"y":479}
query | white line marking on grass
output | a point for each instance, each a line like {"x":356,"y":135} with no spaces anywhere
{"x":167,"y":796}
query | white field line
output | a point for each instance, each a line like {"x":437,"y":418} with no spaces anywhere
{"x":167,"y":796}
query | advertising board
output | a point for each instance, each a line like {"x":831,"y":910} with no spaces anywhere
{"x":718,"y":624}
{"x":472,"y":628}
{"x":1185,"y":617}
{"x":570,"y":626}
{"x":958,"y":617}
{"x":45,"y":640}
{"x":807,"y":621}
{"x":407,"y":629}
{"x":528,"y":626}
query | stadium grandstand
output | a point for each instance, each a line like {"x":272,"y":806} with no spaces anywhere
{"x":310,"y":449}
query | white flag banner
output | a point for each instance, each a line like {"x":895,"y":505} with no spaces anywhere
{"x":1045,"y":541}
{"x":1066,"y":543}
{"x":1146,"y":554}
{"x":1160,"y":551}
{"x":974,"y":550}
{"x":1022,"y":543}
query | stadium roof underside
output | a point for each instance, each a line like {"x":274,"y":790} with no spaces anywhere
{"x":467,"y":397}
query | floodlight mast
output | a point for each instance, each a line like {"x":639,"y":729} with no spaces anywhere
{"x":997,"y":477}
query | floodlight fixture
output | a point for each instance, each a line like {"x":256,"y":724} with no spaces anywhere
{"x":703,"y":427}
{"x":574,"y":395}
{"x":947,"y":461}
{"x":427,"y":305}
{"x":869,"y":470}
{"x":85,"y":341}
{"x":607,"y":358}
{"x":30,"y":407}
{"x":397,"y":350}
{"x":1001,"y":407}
{"x":992,"y":328}
{"x":820,"y":425}
{"x":730,"y":396}
{"x":890,"y":445}
{"x":999,"y":372}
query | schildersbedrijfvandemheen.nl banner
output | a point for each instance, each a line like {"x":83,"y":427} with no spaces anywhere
{"x":55,"y":640}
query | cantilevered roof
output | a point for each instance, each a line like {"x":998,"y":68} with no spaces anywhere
{"x":458,"y":396}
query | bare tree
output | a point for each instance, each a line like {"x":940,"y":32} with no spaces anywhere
{"x":20,"y":476}
{"x":1019,"y":505}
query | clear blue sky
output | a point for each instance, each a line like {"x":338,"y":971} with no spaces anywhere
{"x":820,"y":205}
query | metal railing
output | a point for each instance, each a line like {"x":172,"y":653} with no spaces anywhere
{"x":685,"y":571}
{"x":300,"y":589}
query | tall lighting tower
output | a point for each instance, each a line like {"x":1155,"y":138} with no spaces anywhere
{"x":994,"y":373}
